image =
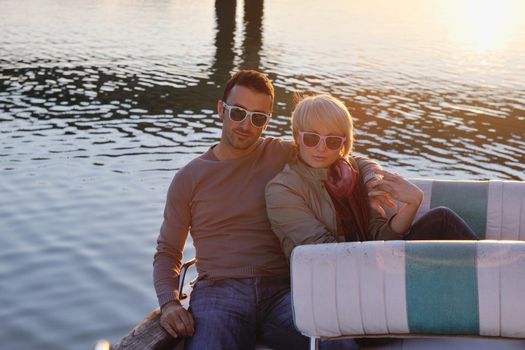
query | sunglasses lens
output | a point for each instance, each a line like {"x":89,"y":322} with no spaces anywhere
{"x":259,"y":119}
{"x":310,"y":140}
{"x":237,"y":114}
{"x":333,"y":143}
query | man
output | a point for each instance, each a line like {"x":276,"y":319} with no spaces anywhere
{"x":243,"y":289}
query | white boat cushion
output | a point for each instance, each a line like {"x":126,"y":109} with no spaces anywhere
{"x":414,"y":287}
{"x":494,"y":209}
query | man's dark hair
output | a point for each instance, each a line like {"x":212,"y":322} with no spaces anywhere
{"x":251,"y":79}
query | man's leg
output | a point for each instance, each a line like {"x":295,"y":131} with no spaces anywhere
{"x":277,"y":328}
{"x":441,"y":223}
{"x":225,"y":315}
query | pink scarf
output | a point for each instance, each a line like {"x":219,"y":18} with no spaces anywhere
{"x":349,"y":195}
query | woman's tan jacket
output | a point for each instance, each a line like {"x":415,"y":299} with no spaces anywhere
{"x":301,"y":210}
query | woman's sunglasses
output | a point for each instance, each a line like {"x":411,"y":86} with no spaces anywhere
{"x":311,"y":139}
{"x":237,"y":114}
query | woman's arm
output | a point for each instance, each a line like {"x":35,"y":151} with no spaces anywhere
{"x":379,"y":228}
{"x":292,"y":220}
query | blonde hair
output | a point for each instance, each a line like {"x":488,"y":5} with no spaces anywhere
{"x":330,"y":111}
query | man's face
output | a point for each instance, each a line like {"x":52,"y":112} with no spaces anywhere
{"x":242,"y":135}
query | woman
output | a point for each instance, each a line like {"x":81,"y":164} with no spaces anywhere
{"x":321,"y":196}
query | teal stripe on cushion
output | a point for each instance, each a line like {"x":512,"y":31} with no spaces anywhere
{"x":442,"y":288}
{"x":467,"y":199}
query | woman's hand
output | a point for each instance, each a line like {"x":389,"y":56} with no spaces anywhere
{"x":398,"y":188}
{"x":378,"y":198}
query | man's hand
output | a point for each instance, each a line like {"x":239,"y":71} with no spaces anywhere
{"x":176,"y":320}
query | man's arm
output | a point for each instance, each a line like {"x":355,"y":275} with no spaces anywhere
{"x":167,"y":261}
{"x":367,"y":168}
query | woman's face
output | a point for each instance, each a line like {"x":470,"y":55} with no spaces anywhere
{"x":319,"y":155}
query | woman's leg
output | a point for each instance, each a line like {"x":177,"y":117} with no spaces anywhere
{"x":441,"y":223}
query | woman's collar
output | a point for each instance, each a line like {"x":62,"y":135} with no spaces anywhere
{"x":308,"y":171}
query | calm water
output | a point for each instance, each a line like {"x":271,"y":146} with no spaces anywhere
{"x":102,"y":101}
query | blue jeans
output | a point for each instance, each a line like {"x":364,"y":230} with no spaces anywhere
{"x":234,"y":313}
{"x":440,"y":223}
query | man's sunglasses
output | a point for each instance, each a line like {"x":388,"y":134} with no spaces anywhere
{"x":311,"y":139}
{"x":237,"y":114}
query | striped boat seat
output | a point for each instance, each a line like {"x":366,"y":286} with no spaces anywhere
{"x":459,"y":288}
{"x":494,"y":209}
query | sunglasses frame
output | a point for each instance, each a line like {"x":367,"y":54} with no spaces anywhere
{"x":322,"y":138}
{"x":248,"y":114}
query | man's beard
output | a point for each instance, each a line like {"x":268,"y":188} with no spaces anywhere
{"x":247,"y":142}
